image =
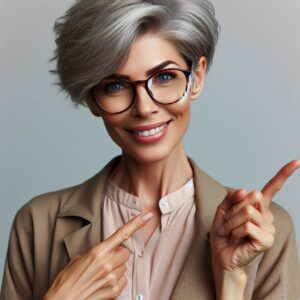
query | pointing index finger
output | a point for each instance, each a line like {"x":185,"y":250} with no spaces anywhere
{"x":276,"y":183}
{"x":127,"y":230}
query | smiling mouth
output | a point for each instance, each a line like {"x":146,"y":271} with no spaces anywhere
{"x":150,"y":132}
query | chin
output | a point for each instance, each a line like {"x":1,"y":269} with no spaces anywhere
{"x":153,"y":155}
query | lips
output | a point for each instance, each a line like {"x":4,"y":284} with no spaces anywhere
{"x":149,"y":134}
{"x":148,"y":127}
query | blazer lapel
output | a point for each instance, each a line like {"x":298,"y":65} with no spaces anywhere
{"x":80,"y":216}
{"x":196,"y":277}
{"x":82,"y":240}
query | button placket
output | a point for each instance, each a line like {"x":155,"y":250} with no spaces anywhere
{"x":141,"y":267}
{"x":141,"y":282}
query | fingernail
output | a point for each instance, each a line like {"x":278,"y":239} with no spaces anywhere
{"x":240,"y":195}
{"x":146,"y":217}
{"x":222,"y":231}
{"x":242,"y":191}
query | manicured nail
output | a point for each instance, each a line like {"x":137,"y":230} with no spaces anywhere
{"x":146,"y":217}
{"x":222,"y":231}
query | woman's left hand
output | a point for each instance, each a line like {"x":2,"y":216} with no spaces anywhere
{"x":243,"y":225}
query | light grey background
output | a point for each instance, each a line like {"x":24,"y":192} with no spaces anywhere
{"x":245,"y":125}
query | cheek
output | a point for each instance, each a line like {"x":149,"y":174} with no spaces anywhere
{"x":185,"y":121}
{"x":113,"y":128}
{"x":114,"y":135}
{"x":182,"y":112}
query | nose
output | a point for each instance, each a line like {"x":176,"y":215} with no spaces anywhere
{"x":143,"y":105}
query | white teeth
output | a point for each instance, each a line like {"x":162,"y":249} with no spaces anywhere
{"x":158,"y":129}
{"x":150,"y":132}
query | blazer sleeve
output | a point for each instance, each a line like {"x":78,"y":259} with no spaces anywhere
{"x":279,"y":272}
{"x":19,"y":265}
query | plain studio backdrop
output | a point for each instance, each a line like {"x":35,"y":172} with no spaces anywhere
{"x":244,"y":127}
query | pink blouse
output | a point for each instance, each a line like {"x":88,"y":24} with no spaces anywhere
{"x":153,"y":269}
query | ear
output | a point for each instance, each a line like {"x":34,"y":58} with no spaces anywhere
{"x":95,"y":110}
{"x":199,"y":77}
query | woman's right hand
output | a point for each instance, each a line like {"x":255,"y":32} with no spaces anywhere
{"x":100,"y":273}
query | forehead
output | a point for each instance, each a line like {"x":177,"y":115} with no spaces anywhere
{"x":148,"y":51}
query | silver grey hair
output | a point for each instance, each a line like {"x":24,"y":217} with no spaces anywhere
{"x":94,"y":36}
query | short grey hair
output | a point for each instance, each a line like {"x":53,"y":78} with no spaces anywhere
{"x":94,"y":37}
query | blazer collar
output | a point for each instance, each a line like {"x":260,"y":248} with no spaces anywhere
{"x":79,"y":218}
{"x":85,"y":201}
{"x":208,"y":195}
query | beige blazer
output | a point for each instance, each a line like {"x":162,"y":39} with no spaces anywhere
{"x":52,"y":228}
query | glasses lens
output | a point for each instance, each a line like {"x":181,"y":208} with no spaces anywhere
{"x":113,"y":95}
{"x":168,"y":86}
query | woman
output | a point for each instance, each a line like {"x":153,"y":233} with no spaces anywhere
{"x":151,"y":224}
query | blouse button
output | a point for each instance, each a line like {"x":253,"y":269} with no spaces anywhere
{"x":165,"y":205}
{"x":141,"y":253}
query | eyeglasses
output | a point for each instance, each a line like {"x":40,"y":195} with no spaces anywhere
{"x":167,"y":86}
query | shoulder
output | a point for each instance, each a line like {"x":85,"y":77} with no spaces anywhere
{"x":281,"y":215}
{"x":283,"y":222}
{"x":284,"y":248}
{"x":44,"y":206}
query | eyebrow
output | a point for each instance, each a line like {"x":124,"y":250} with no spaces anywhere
{"x":148,"y":73}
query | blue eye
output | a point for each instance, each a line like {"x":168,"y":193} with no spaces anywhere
{"x":163,"y":77}
{"x":115,"y":86}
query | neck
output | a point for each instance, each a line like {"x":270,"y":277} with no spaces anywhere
{"x":151,"y":181}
